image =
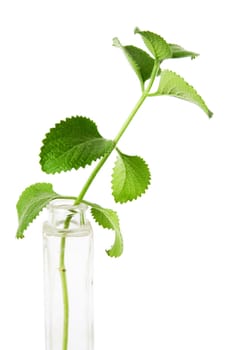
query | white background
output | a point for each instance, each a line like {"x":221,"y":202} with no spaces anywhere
{"x":173,"y":287}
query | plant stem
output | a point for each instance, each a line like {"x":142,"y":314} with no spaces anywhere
{"x":85,"y":188}
{"x":62,"y":270}
{"x":119,"y":135}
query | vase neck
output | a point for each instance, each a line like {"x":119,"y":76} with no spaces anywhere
{"x":65,"y":218}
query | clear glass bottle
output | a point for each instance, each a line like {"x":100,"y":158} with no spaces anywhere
{"x":68,"y":272}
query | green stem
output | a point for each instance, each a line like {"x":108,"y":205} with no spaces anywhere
{"x":119,"y":135}
{"x":65,"y":295}
{"x":85,"y":188}
{"x":62,"y":270}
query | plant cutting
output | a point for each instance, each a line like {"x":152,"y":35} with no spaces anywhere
{"x":76,"y":143}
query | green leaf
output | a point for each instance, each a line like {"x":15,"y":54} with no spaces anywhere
{"x":108,"y":218}
{"x":174,"y":85}
{"x":156,"y":44}
{"x":141,"y":62}
{"x":32,"y":200}
{"x":180,"y":52}
{"x":130,"y":178}
{"x":71,"y":144}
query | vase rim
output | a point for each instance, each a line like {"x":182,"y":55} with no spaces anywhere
{"x":59,"y":210}
{"x":68,"y":204}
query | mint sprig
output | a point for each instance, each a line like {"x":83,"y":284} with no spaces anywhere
{"x":76,"y":142}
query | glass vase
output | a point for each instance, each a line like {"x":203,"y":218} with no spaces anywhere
{"x":68,"y":274}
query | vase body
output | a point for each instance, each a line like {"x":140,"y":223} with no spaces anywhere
{"x":68,"y":275}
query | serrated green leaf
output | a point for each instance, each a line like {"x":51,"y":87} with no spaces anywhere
{"x":71,"y":144}
{"x":107,"y":218}
{"x":180,"y":52}
{"x":174,"y":85}
{"x":141,"y":62}
{"x":159,"y":48}
{"x":32,"y":200}
{"x":130,"y":178}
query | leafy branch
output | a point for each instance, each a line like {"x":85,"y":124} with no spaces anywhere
{"x":76,"y":142}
